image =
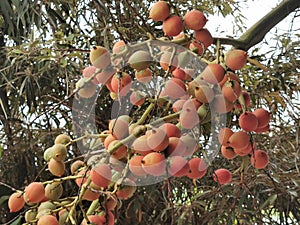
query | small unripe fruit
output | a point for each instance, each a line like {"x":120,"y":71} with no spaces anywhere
{"x":48,"y":220}
{"x":59,"y":152}
{"x":100,"y":57}
{"x":204,"y":93}
{"x":62,"y":139}
{"x":236,"y":59}
{"x":140,"y":60}
{"x":30,"y":215}
{"x":159,"y":11}
{"x":35,"y":192}
{"x":259,"y":159}
{"x":47,"y":154}
{"x":86,"y":89}
{"x":194,"y":20}
{"x":172,"y":26}
{"x":54,"y":190}
{"x":222,"y":176}
{"x":16,"y":202}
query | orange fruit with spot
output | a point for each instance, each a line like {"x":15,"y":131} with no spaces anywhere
{"x":120,"y":152}
{"x":135,"y":166}
{"x":228,"y":152}
{"x":198,"y":168}
{"x":121,"y":83}
{"x":224,"y":135}
{"x":154,"y":163}
{"x":100,"y":57}
{"x":35,"y":192}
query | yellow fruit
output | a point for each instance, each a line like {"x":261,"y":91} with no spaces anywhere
{"x":100,"y":57}
{"x":62,"y":139}
{"x":59,"y":152}
{"x":57,"y":168}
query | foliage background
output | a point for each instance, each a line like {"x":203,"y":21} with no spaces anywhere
{"x":44,"y":46}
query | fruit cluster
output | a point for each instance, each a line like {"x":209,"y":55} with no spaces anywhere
{"x":137,"y":150}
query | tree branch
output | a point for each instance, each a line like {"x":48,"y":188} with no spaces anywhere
{"x":257,"y":32}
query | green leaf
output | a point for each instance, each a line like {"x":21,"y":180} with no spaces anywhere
{"x":3,"y":199}
{"x":269,"y":201}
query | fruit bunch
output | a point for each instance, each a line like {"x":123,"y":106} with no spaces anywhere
{"x":150,"y":149}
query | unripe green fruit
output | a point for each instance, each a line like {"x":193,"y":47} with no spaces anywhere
{"x":47,"y":154}
{"x":59,"y":152}
{"x":46,"y":205}
{"x":86,"y":89}
{"x":62,"y":139}
{"x":30,"y":215}
{"x":54,"y":190}
{"x":140,"y":60}
{"x":100,"y":57}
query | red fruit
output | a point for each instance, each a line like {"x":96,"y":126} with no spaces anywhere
{"x":175,"y":147}
{"x":101,"y":175}
{"x":262,"y":129}
{"x":48,"y":220}
{"x":144,"y":76}
{"x":171,"y":130}
{"x":224,"y":135}
{"x":157,"y":139}
{"x":136,"y":98}
{"x":177,"y":106}
{"x":111,"y":202}
{"x":263,"y":117}
{"x":236,"y":59}
{"x":179,"y":73}
{"x":118,"y":46}
{"x":126,"y":190}
{"x":159,"y":11}
{"x":231,"y":90}
{"x":121,"y":85}
{"x":259,"y":159}
{"x":239,"y":140}
{"x":120,"y":152}
{"x":197,"y":47}
{"x":172,"y":26}
{"x":228,"y":152}
{"x":248,"y":121}
{"x":88,"y":72}
{"x":228,"y":77}
{"x":135,"y":166}
{"x":105,"y":76}
{"x":90,"y":195}
{"x":154,"y":163}
{"x":174,"y":88}
{"x":194,"y":20}
{"x":213,"y":73}
{"x":35,"y":192}
{"x":188,"y":116}
{"x":204,"y":93}
{"x":80,"y":181}
{"x":178,"y":166}
{"x":167,"y":60}
{"x":140,"y":145}
{"x":198,"y":168}
{"x":100,"y":57}
{"x":16,"y":202}
{"x":204,"y":36}
{"x":222,"y":176}
{"x":221,"y":105}
{"x":245,"y":151}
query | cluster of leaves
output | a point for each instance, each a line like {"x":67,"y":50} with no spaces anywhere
{"x":43,"y":50}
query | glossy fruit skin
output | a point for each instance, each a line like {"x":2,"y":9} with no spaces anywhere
{"x":194,"y":20}
{"x":56,"y":168}
{"x":15,"y":202}
{"x":198,"y":168}
{"x":259,"y":159}
{"x":35,"y":192}
{"x":101,"y":175}
{"x":154,"y":163}
{"x":159,"y":11}
{"x":172,"y":26}
{"x":236,"y":59}
{"x":222,"y":176}
{"x":248,"y":121}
